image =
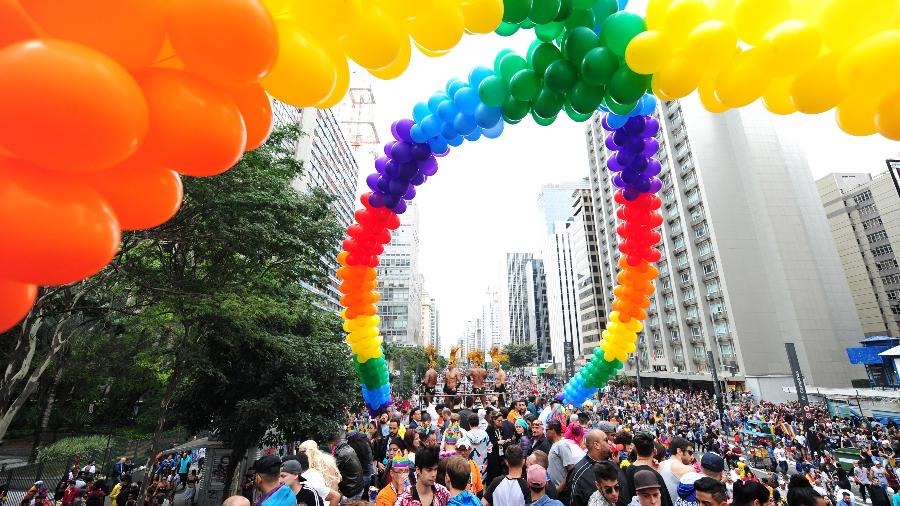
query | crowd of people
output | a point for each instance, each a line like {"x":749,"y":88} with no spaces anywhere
{"x":653,"y":447}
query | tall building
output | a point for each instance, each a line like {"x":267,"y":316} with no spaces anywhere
{"x":473,"y":337}
{"x":430,"y":333}
{"x":328,"y":164}
{"x":559,"y":269}
{"x":864,"y":214}
{"x":541,"y":313}
{"x":525,"y":304}
{"x":586,"y":266}
{"x":399,"y":283}
{"x":748,"y":260}
{"x":491,"y":317}
{"x":555,"y":201}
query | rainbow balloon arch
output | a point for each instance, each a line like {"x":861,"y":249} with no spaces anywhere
{"x":153,"y":91}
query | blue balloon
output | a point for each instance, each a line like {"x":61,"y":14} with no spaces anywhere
{"x":464,"y":124}
{"x":466,"y":100}
{"x":438,"y":145}
{"x":623,"y":4}
{"x":648,"y":104}
{"x":431,"y":126}
{"x":456,"y":141}
{"x":616,"y":121}
{"x":448,"y":132}
{"x":436,"y":100}
{"x":455,"y":85}
{"x":487,"y":116}
{"x":475,"y":135}
{"x":447,"y":111}
{"x":420,"y":111}
{"x":494,"y":131}
{"x":417,"y":135}
{"x":479,"y":74}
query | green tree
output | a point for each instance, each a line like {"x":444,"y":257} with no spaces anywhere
{"x":520,"y":355}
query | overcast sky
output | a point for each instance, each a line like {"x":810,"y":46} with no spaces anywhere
{"x":482,"y":202}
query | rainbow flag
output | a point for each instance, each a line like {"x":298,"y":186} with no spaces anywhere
{"x":788,"y":429}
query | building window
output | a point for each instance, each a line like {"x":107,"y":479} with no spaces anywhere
{"x":700,"y":231}
{"x":687,"y":293}
{"x":717,"y":307}
{"x":677,"y":353}
{"x":891,"y":279}
{"x":670,"y":317}
{"x":893,"y":294}
{"x":693,"y":197}
{"x":895,"y":309}
{"x":886,"y":264}
{"x":692,"y":312}
{"x":657,"y":354}
{"x":726,"y":351}
{"x":685,"y":276}
{"x":670,"y":196}
{"x":720,"y":328}
{"x":695,"y":331}
{"x":675,"y":335}
{"x":704,"y":248}
{"x":679,"y":242}
{"x":699,"y":352}
{"x":869,"y":209}
{"x":712,"y":286}
{"x":882,"y":250}
{"x":676,"y":227}
{"x":862,"y":197}
{"x":666,"y":283}
{"x":670,"y":301}
{"x":874,"y":222}
{"x":681,"y":260}
{"x":672,"y":212}
{"x":697,"y":213}
{"x":709,"y":267}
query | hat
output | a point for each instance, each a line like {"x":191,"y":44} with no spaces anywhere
{"x":464,"y":443}
{"x":523,"y":423}
{"x":270,"y":464}
{"x":537,"y":476}
{"x":292,"y":467}
{"x":712,"y":462}
{"x":607,"y":426}
{"x":401,"y":461}
{"x":645,"y":479}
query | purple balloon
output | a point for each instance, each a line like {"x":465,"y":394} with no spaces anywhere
{"x":651,"y":146}
{"x":428,"y":166}
{"x":644,"y":185}
{"x":651,"y":126}
{"x":621,"y":138}
{"x":388,"y":146}
{"x":376,"y":199}
{"x":605,"y":124}
{"x":408,"y":170}
{"x":638,"y":165}
{"x":410,"y":193}
{"x":382,"y":183}
{"x":652,"y":169}
{"x":391,"y":168}
{"x":420,"y":152}
{"x":398,"y":187}
{"x":635,"y":125}
{"x":399,"y":207}
{"x":630,"y":193}
{"x":402,"y":129}
{"x":631,"y":178}
{"x":401,"y":152}
{"x":617,"y":181}
{"x":372,"y":181}
{"x":418,"y":179}
{"x":611,"y":143}
{"x":625,"y":158}
{"x":613,"y":165}
{"x":655,"y":185}
{"x":379,"y":163}
{"x":390,"y":200}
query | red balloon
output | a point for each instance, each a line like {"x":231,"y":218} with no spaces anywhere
{"x":55,"y":228}
{"x":195,"y":128}
{"x":256,"y":109}
{"x":16,"y":300}
{"x":142,"y":194}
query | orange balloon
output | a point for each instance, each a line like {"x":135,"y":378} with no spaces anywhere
{"x":129,"y":32}
{"x":167,"y":58}
{"x":231,"y":42}
{"x":55,"y":228}
{"x":68,"y":107}
{"x":15,"y":25}
{"x":256,"y":109}
{"x":142,"y":194}
{"x":16,"y":300}
{"x":195,"y":128}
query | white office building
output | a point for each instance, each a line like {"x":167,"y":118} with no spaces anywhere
{"x":562,"y":299}
{"x":400,"y":285}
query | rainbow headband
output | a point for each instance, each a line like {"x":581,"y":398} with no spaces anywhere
{"x":401,"y":461}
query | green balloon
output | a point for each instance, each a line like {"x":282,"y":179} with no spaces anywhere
{"x":565,"y":10}
{"x":627,"y":86}
{"x":543,"y":56}
{"x":619,"y":29}
{"x":599,"y":65}
{"x":515,"y":11}
{"x":524,"y":85}
{"x":549,"y":31}
{"x":527,"y":24}
{"x":603,"y":9}
{"x":499,"y":58}
{"x":543,"y":121}
{"x":585,"y":97}
{"x":577,"y":42}
{"x":531,"y":47}
{"x":548,"y":103}
{"x":617,"y":107}
{"x":510,"y":64}
{"x":514,"y":110}
{"x":492,"y":91}
{"x":581,"y":17}
{"x":560,"y":76}
{"x":506,"y":29}
{"x":544,"y":11}
{"x":582,"y":4}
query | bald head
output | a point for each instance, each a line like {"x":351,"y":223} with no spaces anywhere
{"x":597,"y":445}
{"x":236,"y":500}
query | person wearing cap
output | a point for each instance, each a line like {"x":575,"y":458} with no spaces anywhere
{"x":268,"y":474}
{"x":609,"y":428}
{"x":536,"y":476}
{"x":712,"y":465}
{"x":606,"y":476}
{"x":313,"y":479}
{"x":399,"y":471}
{"x":521,"y":436}
{"x":458,"y":481}
{"x":291,"y":476}
{"x":648,"y":489}
{"x":464,"y":450}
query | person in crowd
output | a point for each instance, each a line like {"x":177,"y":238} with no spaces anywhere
{"x":236,"y":500}
{"x":711,"y":492}
{"x":291,"y":476}
{"x":539,"y":439}
{"x":425,"y":491}
{"x":847,"y":499}
{"x":645,"y":450}
{"x":458,"y":482}
{"x":464,"y":450}
{"x":606,"y":478}
{"x":749,"y":493}
{"x":324,"y":463}
{"x":348,"y":464}
{"x":184,"y":468}
{"x":560,"y":456}
{"x":647,"y":488}
{"x":679,"y":463}
{"x":399,"y":472}
{"x":536,"y":476}
{"x":580,"y":483}
{"x":314,"y":480}
{"x":267,"y":471}
{"x":511,"y":489}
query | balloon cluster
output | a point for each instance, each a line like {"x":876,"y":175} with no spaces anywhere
{"x":358,"y":260}
{"x":798,"y":55}
{"x":634,"y":146}
{"x":317,"y":38}
{"x":577,"y":70}
{"x":406,"y":164}
{"x":550,"y":17}
{"x":103,"y":106}
{"x":456,"y":114}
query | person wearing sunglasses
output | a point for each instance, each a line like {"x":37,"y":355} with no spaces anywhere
{"x":677,"y":465}
{"x":606,"y":475}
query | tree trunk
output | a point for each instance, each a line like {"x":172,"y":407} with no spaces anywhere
{"x":44,"y":421}
{"x":237,"y":455}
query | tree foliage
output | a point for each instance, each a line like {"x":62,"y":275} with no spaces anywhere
{"x":520,"y":355}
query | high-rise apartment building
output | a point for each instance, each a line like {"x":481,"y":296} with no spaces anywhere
{"x":748,"y":260}
{"x":525,"y":304}
{"x":399,"y":283}
{"x":328,"y":164}
{"x":430,"y":332}
{"x":562,"y":301}
{"x":555,"y":201}
{"x":586,"y":266}
{"x":541,"y":313}
{"x":473,"y":337}
{"x":492,"y":319}
{"x":864,"y":214}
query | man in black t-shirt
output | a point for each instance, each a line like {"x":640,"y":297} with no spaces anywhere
{"x":291,"y":472}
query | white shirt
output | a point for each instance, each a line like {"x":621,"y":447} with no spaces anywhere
{"x":201,"y":453}
{"x":780,"y":455}
{"x":316,"y":482}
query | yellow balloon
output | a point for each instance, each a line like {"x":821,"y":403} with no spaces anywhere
{"x":777,"y":98}
{"x":377,"y":40}
{"x":807,"y":10}
{"x":440,"y":27}
{"x":341,"y":85}
{"x":656,"y":13}
{"x":723,"y":10}
{"x":334,"y":18}
{"x":754,"y":18}
{"x":406,"y":9}
{"x":301,"y":59}
{"x":742,"y":80}
{"x":856,"y":114}
{"x":399,"y":66}
{"x":706,"y":90}
{"x":845,"y":23}
{"x":482,"y":16}
{"x":872,"y":66}
{"x":280,"y":10}
{"x":790,"y":47}
{"x":710,"y":45}
{"x":677,"y":79}
{"x":428,"y":52}
{"x":682,"y":17}
{"x":648,"y":52}
{"x":817,"y":88}
{"x":887,"y":116}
